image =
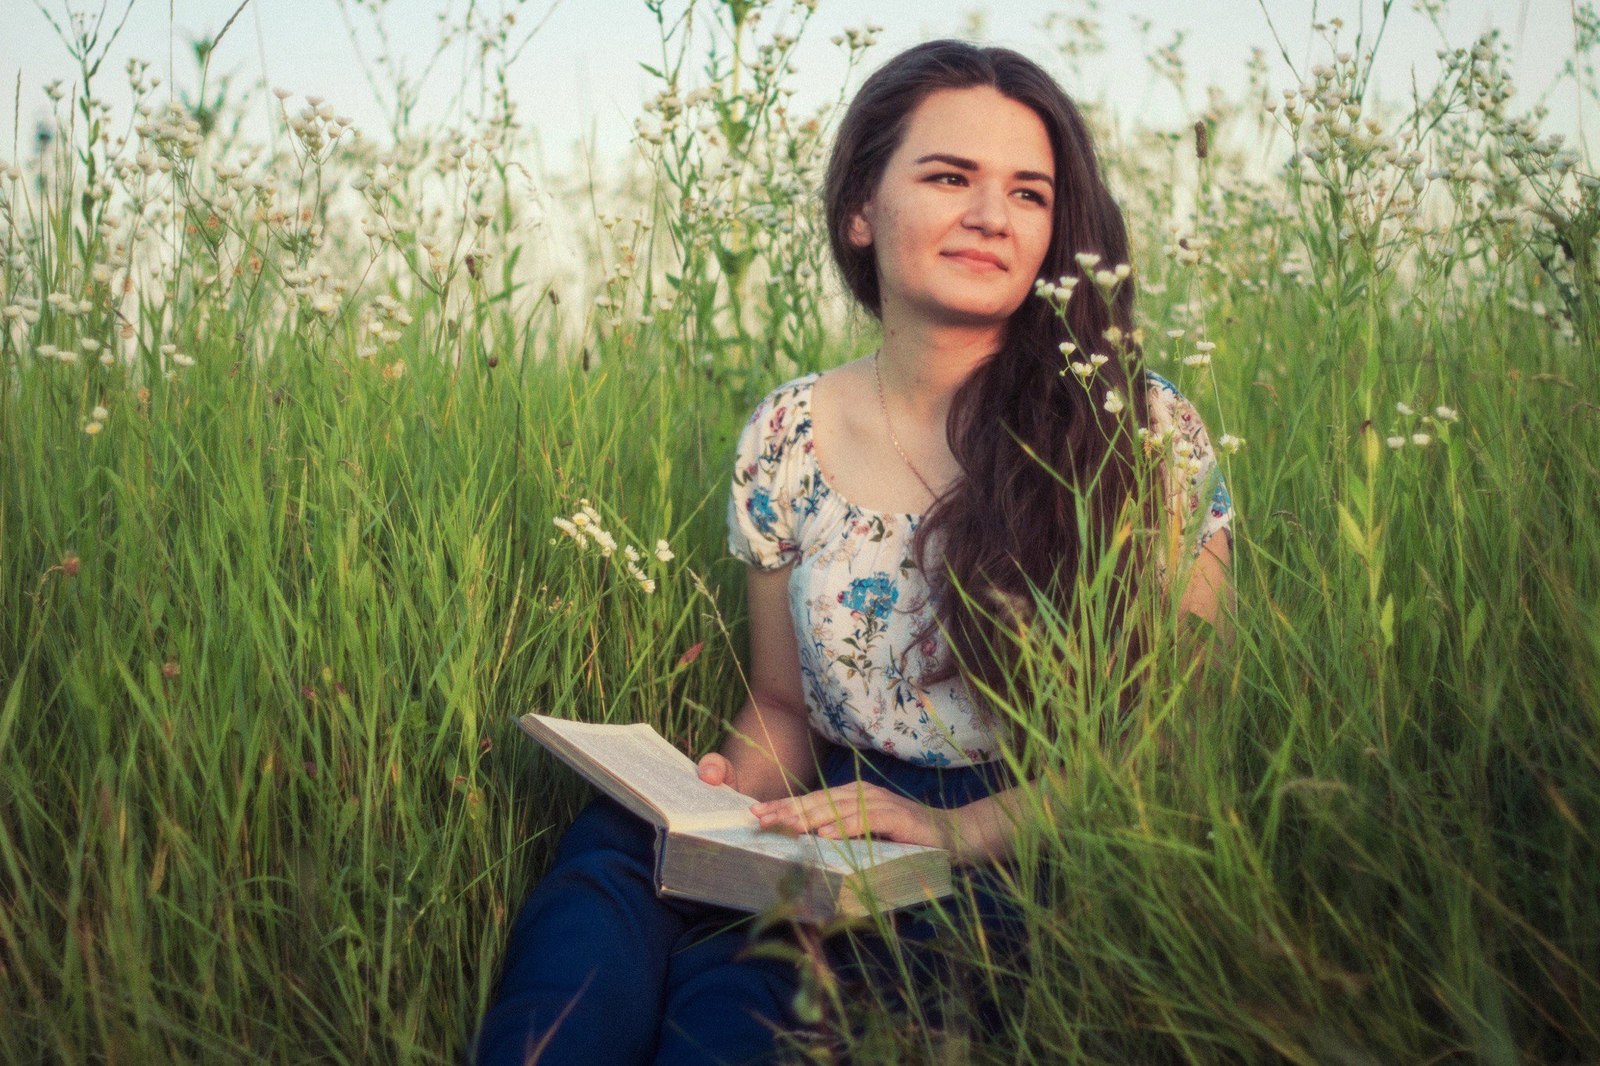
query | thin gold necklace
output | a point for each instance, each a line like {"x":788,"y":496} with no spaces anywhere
{"x":888,"y":423}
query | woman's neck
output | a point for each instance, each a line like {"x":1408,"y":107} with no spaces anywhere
{"x":923,"y":365}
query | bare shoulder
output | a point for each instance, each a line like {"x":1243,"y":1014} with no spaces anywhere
{"x":838,"y":394}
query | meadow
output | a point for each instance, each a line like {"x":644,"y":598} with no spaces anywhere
{"x":289,"y":427}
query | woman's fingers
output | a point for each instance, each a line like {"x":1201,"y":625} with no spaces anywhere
{"x":847,"y":810}
{"x":715,"y":769}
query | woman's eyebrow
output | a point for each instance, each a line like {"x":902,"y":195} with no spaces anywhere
{"x":963,"y":163}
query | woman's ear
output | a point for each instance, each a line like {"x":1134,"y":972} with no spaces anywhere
{"x":858,"y":229}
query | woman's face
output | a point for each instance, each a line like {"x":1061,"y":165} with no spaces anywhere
{"x":961,"y":219}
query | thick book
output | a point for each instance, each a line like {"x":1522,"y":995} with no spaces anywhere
{"x":709,"y":847}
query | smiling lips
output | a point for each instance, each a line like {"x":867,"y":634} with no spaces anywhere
{"x":973,"y":257}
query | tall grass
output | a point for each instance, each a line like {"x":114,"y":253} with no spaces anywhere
{"x":268,"y":615}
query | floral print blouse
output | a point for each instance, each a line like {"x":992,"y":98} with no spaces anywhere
{"x":855,"y":592}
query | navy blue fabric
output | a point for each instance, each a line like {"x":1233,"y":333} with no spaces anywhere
{"x":599,"y":969}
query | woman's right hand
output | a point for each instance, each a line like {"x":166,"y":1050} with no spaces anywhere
{"x":715,"y":769}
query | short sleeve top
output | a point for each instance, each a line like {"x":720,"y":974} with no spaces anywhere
{"x":858,"y":599}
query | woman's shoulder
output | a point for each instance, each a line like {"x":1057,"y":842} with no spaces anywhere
{"x":1159,"y":390}
{"x":779,"y":422}
{"x":796,"y":392}
{"x":1166,"y":404}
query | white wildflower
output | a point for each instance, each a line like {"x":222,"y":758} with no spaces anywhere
{"x":1421,"y":439}
{"x":1114,"y":403}
{"x":1396,"y":442}
{"x":1229,"y":443}
{"x":664,"y":552}
{"x":1446,"y":414}
{"x":1404,"y":409}
{"x":99,"y":414}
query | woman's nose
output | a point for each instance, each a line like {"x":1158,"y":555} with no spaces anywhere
{"x":986,"y":211}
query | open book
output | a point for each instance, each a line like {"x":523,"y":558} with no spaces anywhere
{"x":709,"y":846}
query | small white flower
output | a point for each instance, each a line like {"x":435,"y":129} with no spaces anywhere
{"x":182,"y":360}
{"x":1229,"y":443}
{"x":99,"y":414}
{"x":1446,"y":414}
{"x":1087,"y":260}
{"x":1114,"y":403}
{"x":1083,"y":370}
{"x":1197,"y":359}
{"x":664,"y":552}
{"x":1099,"y":359}
{"x":1421,"y":439}
{"x":607,"y":542}
{"x":1396,"y":442}
{"x":1106,"y":279}
{"x":1404,"y":409}
{"x":1205,"y":346}
{"x":1067,"y":347}
{"x":632,"y":553}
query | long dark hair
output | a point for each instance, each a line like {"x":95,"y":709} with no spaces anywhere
{"x":1033,"y":443}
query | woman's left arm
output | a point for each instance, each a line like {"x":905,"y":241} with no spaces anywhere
{"x":984,"y":830}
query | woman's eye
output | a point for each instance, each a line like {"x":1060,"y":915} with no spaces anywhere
{"x":1036,"y":197}
{"x":948,"y":179}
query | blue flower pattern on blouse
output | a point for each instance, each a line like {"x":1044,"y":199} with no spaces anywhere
{"x":858,"y":601}
{"x":760,"y":507}
{"x":873,"y":596}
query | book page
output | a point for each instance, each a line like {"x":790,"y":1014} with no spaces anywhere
{"x":637,"y":758}
{"x":839,"y":856}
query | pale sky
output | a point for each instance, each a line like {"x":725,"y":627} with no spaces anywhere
{"x":579,"y":77}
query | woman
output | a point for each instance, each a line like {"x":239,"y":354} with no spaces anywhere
{"x":962,"y":451}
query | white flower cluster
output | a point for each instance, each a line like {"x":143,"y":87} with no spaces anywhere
{"x":1058,"y":293}
{"x":1187,"y":248}
{"x":387,"y":319}
{"x":1416,"y":434}
{"x":860,"y":39}
{"x":1170,"y":445}
{"x":315,"y":125}
{"x":177,"y":358}
{"x":584,"y":527}
{"x":97,"y":421}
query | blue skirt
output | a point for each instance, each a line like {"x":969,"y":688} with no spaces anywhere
{"x":599,"y":969}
